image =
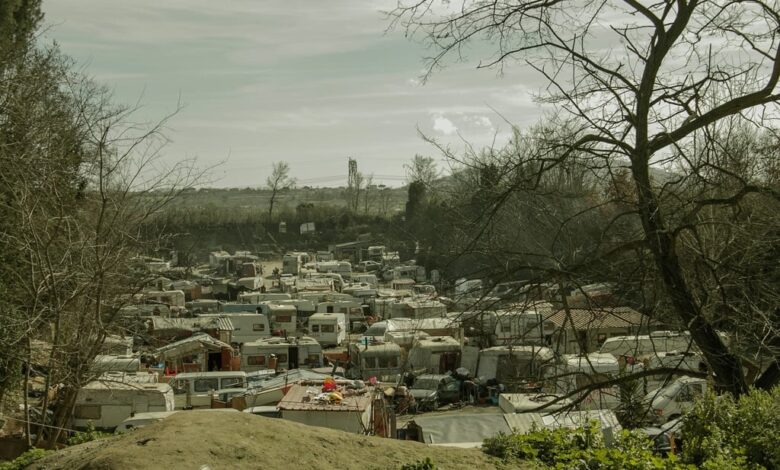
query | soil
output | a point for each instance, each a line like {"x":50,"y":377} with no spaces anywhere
{"x":202,"y":440}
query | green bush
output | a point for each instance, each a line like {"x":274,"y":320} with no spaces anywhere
{"x":91,"y":434}
{"x":723,"y":433}
{"x":426,"y":464}
{"x":581,"y":448}
{"x":25,"y":460}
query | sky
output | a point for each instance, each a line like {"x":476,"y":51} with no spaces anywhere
{"x":308,"y":82}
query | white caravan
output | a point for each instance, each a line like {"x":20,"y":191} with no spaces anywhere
{"x":194,"y":389}
{"x":329,"y":329}
{"x":246,"y":326}
{"x":105,"y":403}
{"x":290,"y":353}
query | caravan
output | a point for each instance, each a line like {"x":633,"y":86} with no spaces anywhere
{"x":194,"y":389}
{"x":524,"y":327}
{"x":435,"y":355}
{"x":281,"y":353}
{"x":105,"y":404}
{"x":329,"y":329}
{"x":246,"y":326}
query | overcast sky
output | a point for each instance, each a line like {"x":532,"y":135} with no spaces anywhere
{"x":308,"y":82}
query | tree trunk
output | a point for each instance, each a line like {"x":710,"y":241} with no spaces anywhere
{"x":725,"y":365}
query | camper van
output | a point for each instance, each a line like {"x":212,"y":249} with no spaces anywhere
{"x":194,"y":389}
{"x":105,"y":404}
{"x":380,"y":360}
{"x":290,"y":353}
{"x":329,"y":329}
{"x":246,"y":326}
{"x":672,"y":401}
{"x":435,"y":355}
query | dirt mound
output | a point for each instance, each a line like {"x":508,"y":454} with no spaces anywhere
{"x":202,"y":440}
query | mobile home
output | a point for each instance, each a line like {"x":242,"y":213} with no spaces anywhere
{"x":289,"y":353}
{"x":435,"y":355}
{"x":194,"y":389}
{"x":283,"y":317}
{"x":251,"y":283}
{"x":329,"y":329}
{"x":105,"y":404}
{"x":382,"y":361}
{"x":524,"y":327}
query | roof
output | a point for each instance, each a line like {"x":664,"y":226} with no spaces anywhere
{"x":305,"y":398}
{"x":471,"y":429}
{"x":192,"y":324}
{"x":291,"y":376}
{"x":215,"y":374}
{"x":194,"y":344}
{"x":607,"y":317}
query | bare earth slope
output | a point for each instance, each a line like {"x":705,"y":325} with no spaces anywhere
{"x":206,"y":440}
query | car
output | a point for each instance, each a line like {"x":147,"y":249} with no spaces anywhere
{"x":432,"y":390}
{"x":368,"y":266}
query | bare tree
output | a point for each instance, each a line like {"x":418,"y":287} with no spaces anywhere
{"x":660,"y":87}
{"x":279,"y":181}
{"x":421,"y":169}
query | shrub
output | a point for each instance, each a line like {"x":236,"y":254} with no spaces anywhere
{"x":581,"y":448}
{"x":91,"y":434}
{"x":721,"y":432}
{"x":426,"y":464}
{"x":25,"y":460}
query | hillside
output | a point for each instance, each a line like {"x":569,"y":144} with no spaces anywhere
{"x":201,"y":439}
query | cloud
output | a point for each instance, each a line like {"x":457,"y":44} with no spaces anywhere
{"x":444,"y":125}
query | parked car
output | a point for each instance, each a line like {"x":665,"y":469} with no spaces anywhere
{"x":432,"y":390}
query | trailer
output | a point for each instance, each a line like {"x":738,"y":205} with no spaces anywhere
{"x":246,"y":326}
{"x":281,"y":353}
{"x":329,"y":329}
{"x":105,"y":404}
{"x":435,"y":355}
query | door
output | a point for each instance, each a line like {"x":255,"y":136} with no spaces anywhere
{"x":448,"y":361}
{"x":292,"y":357}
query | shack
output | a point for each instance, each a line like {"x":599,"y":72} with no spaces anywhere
{"x":347,"y":409}
{"x":198,"y":353}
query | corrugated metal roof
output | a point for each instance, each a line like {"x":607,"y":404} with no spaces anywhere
{"x":194,"y":343}
{"x":607,"y":317}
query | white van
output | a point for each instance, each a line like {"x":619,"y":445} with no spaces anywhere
{"x":329,"y":329}
{"x":675,"y":399}
{"x":194,"y":389}
{"x":105,"y":404}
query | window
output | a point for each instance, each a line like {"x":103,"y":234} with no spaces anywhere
{"x":313,"y":359}
{"x":281,"y":358}
{"x":232,"y":382}
{"x":206,"y":385}
{"x":506,"y":328}
{"x":329,"y":309}
{"x":315,"y":328}
{"x":87,"y":412}
{"x":388,"y":362}
{"x":258,"y":327}
{"x":255,"y":360}
{"x":369,"y":362}
{"x":328,"y":328}
{"x":283,"y":318}
{"x":180,"y":386}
